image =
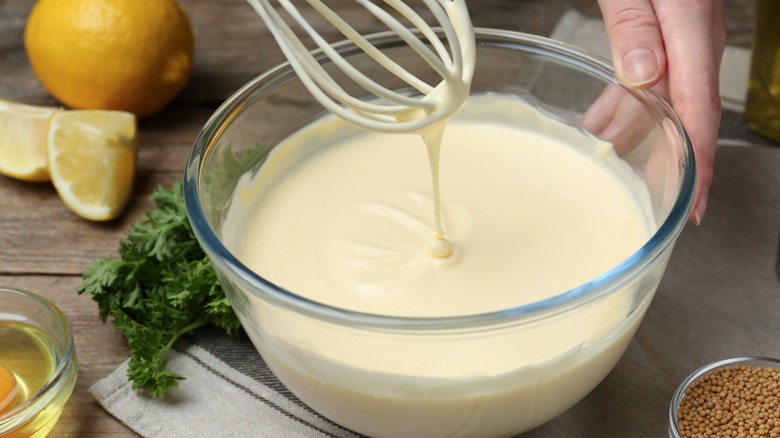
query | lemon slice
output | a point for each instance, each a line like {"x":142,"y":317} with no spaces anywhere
{"x":92,"y":156}
{"x":23,"y":140}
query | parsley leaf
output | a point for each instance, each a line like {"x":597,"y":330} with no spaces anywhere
{"x":161,"y":288}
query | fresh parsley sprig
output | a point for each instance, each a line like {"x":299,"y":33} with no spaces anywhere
{"x":161,"y":288}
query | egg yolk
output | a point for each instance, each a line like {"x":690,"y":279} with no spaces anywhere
{"x":8,"y":389}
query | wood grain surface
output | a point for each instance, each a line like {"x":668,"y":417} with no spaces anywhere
{"x":44,"y":247}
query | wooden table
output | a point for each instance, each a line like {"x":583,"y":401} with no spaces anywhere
{"x":44,"y":247}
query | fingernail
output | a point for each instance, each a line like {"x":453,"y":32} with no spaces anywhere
{"x":701,"y":208}
{"x":639,"y":67}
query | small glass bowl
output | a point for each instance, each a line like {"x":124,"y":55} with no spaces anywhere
{"x":754,"y":361}
{"x":38,"y":414}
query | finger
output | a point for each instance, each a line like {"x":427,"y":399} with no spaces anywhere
{"x":618,"y":117}
{"x":630,"y":126}
{"x":601,"y":112}
{"x":698,"y":28}
{"x":635,"y":41}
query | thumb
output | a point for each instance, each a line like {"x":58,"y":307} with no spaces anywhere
{"x":635,"y":41}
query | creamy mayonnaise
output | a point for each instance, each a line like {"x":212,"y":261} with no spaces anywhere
{"x":532,"y":207}
{"x":343,"y":216}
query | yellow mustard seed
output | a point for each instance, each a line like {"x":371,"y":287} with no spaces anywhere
{"x":741,"y":401}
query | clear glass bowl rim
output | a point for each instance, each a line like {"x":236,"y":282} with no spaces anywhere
{"x":674,"y":431}
{"x":620,"y":274}
{"x":38,"y":402}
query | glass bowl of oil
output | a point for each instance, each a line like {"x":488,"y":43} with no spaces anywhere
{"x":37,"y":364}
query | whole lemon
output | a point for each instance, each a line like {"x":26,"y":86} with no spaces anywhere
{"x":128,"y":55}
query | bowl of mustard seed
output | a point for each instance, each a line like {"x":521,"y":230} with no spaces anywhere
{"x":735,"y":397}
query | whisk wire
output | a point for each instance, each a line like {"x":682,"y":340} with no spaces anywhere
{"x":299,"y":57}
{"x":319,"y":77}
{"x":360,"y":41}
{"x":388,"y":113}
{"x":425,"y":29}
{"x":438,"y":63}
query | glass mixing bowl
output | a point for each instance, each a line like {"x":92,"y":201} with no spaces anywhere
{"x":480,"y":395}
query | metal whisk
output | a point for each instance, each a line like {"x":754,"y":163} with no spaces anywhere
{"x":390,"y":110}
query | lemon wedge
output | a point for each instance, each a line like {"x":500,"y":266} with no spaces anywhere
{"x":23,"y":131}
{"x":92,"y":159}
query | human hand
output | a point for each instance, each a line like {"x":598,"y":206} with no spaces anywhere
{"x":676,"y":47}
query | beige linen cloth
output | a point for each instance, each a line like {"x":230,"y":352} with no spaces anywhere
{"x":720,"y":297}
